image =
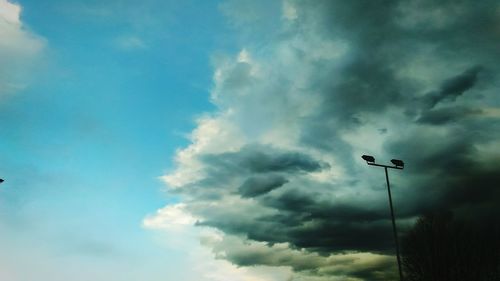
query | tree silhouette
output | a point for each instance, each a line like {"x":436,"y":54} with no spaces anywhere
{"x":441,"y":248}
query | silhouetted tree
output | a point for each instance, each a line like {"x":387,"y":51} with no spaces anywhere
{"x":441,"y":248}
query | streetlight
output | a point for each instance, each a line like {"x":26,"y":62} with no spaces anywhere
{"x":398,"y":164}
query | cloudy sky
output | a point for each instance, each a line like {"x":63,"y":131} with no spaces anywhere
{"x":221,"y":140}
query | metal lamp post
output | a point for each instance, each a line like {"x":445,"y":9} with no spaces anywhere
{"x":398,"y":164}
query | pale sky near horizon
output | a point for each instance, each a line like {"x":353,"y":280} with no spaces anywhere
{"x":221,"y":140}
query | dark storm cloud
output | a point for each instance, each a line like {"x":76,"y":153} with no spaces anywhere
{"x":251,"y":171}
{"x":312,"y":223}
{"x":449,"y":91}
{"x":413,"y":68}
{"x":264,"y":159}
{"x":314,"y":207}
{"x":383,"y":45}
{"x":454,"y":87}
{"x":322,"y":236}
{"x":384,"y":42}
{"x":457,"y":176}
{"x":259,"y":185}
{"x":368,"y":81}
{"x":445,"y":115}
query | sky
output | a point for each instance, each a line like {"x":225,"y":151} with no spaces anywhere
{"x":221,"y":140}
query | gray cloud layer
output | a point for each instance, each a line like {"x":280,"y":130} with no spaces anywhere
{"x":416,"y":80}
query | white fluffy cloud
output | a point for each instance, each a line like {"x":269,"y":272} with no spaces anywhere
{"x":180,"y":233}
{"x":19,"y":49}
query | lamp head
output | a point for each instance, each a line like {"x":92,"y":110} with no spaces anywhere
{"x":398,"y":163}
{"x":368,"y":158}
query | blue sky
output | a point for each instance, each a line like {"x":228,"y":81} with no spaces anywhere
{"x":107,"y":98}
{"x":221,"y":140}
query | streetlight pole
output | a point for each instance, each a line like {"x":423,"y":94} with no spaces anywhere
{"x":398,"y":164}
